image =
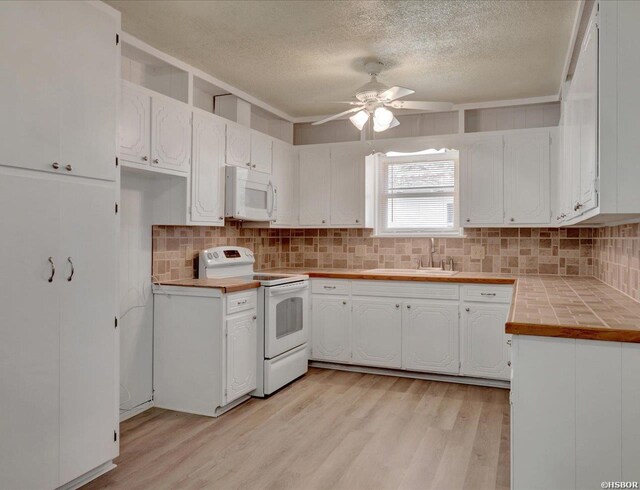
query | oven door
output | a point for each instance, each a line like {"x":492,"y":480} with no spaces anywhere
{"x":286,"y":310}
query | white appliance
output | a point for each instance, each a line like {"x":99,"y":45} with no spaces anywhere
{"x":250,"y":195}
{"x":283,"y":315}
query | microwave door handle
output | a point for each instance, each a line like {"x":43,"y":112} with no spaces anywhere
{"x":270,"y":199}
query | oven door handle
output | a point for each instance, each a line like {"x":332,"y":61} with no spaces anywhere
{"x":277,"y":291}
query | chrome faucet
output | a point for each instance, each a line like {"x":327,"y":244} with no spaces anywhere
{"x":432,"y":247}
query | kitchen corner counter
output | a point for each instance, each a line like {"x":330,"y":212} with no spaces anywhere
{"x":230,"y":285}
{"x":548,"y":306}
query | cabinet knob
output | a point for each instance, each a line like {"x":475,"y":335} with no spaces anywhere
{"x":509,"y":363}
{"x":155,"y":160}
{"x":512,"y":220}
{"x":68,"y":167}
{"x":468,"y":220}
{"x":220,"y":218}
{"x":145,"y":158}
{"x":53,"y":269}
{"x":344,"y":302}
{"x":466,"y":309}
{"x":248,"y":164}
{"x":55,"y":165}
{"x":324,"y":221}
{"x":357,"y":221}
{"x":255,"y":317}
{"x":509,"y":342}
{"x":397,"y":305}
{"x":408,"y":307}
{"x":253,"y":166}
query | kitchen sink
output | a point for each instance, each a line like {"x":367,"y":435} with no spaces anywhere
{"x":430,"y":271}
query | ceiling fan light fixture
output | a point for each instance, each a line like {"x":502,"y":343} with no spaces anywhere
{"x":383,"y":117}
{"x":359,"y":119}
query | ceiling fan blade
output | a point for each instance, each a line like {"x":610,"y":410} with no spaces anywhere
{"x":421,"y":105}
{"x":336,"y":116}
{"x":394,"y":93}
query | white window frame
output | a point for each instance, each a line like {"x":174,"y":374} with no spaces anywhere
{"x":381,"y":163}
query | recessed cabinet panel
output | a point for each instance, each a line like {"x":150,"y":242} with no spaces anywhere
{"x":315,"y":186}
{"x":286,"y":183}
{"x":207,"y":174}
{"x":430,"y":336}
{"x":261,"y":152}
{"x":482,"y":177}
{"x":238,"y":146}
{"x":331,"y":324}
{"x":377,"y":332}
{"x":347,"y":185}
{"x":170,"y":135}
{"x":485,"y":352}
{"x":134,"y":120}
{"x":241,"y":348}
{"x":526,"y":178}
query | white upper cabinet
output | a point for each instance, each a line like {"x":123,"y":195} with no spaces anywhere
{"x":315,"y":185}
{"x":170,"y":135}
{"x":331,"y":328}
{"x":261,"y":152}
{"x":57,"y":97}
{"x":481,"y":189}
{"x":430,"y":336}
{"x":134,"y":125}
{"x":238,"y":145}
{"x":347,"y":184}
{"x":377,"y":332}
{"x":207,"y":174}
{"x":526,"y":178}
{"x":485,"y":352}
{"x":285,"y":180}
{"x":240,"y":354}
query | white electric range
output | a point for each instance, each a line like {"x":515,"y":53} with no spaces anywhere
{"x":283,"y":315}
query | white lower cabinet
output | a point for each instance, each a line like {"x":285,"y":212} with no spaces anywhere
{"x":331,"y":327}
{"x":414,"y":327}
{"x":377,"y":332}
{"x":430,"y":336}
{"x":485,"y":352}
{"x":240,"y":348}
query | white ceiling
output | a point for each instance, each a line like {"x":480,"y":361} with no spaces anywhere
{"x":298,"y":56}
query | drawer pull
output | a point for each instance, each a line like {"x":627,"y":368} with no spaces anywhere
{"x":487,"y":294}
{"x":242,"y":302}
{"x":508,"y":342}
{"x":329,"y":287}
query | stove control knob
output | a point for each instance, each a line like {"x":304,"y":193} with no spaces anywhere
{"x":209,"y":256}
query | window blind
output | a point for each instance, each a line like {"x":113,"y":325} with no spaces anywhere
{"x":417,"y":196}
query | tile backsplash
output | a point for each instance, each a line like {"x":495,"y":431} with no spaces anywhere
{"x":616,"y":257}
{"x":562,"y":251}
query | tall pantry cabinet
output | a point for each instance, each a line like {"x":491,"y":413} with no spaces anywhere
{"x":58,"y":208}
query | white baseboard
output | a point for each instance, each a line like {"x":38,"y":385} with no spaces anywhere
{"x":492,"y":383}
{"x":88,"y":476}
{"x":135,"y":410}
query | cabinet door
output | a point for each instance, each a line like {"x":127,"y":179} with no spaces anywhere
{"x":88,"y":369}
{"x":481,"y":193}
{"x":29,"y":84}
{"x":285,"y":180}
{"x":315,"y":185}
{"x":29,"y":331}
{"x":241,"y":350}
{"x":238,"y":145}
{"x":261,"y":152}
{"x":331,"y":328}
{"x":88,"y":90}
{"x":134,"y":118}
{"x":207,"y":174}
{"x":347,"y":185}
{"x":430,"y":336}
{"x":170,"y":135}
{"x":485,"y":351}
{"x":526,"y":178}
{"x":377,"y":332}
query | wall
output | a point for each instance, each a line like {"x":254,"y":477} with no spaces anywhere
{"x":616,"y":257}
{"x":507,"y":250}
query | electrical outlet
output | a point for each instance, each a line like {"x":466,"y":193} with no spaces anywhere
{"x":477,"y":252}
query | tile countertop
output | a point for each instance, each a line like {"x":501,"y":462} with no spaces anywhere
{"x":550,"y":306}
{"x":230,"y":285}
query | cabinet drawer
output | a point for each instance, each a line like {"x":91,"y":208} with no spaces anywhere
{"x":245,"y":300}
{"x":330,"y":286}
{"x":489,"y":294}
{"x":401,"y":289}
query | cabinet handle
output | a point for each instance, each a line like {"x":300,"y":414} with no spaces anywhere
{"x":255,"y":317}
{"x":509,"y":363}
{"x":344,"y":302}
{"x":253,"y":166}
{"x":68,"y":167}
{"x":508,"y":342}
{"x":466,"y":309}
{"x":145,"y":158}
{"x":324,"y":221}
{"x":467,"y":220}
{"x":53,"y":269}
{"x":242,"y":302}
{"x":487,"y":294}
{"x":357,"y":221}
{"x":397,"y":305}
{"x":408,"y":307}
{"x":329,"y":287}
{"x":220,"y":218}
{"x":248,"y":164}
{"x":155,"y":160}
{"x":55,"y":165}
{"x":512,"y":220}
{"x":72,"y":269}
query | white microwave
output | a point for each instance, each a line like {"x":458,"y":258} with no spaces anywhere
{"x":250,"y":195}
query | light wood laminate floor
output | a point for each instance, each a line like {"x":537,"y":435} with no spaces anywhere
{"x":330,"y":429}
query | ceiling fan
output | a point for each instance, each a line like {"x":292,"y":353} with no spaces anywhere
{"x":374,"y":97}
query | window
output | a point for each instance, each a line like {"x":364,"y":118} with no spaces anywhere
{"x":417,"y":195}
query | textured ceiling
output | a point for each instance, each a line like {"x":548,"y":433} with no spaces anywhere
{"x":299,"y":56}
